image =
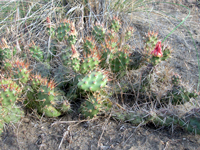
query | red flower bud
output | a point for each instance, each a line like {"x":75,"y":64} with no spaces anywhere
{"x":157,"y":52}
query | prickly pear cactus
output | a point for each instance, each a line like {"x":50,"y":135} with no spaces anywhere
{"x":45,"y":97}
{"x":5,"y":54}
{"x":46,"y":94}
{"x":129,"y":32}
{"x":65,"y":107}
{"x":62,"y":31}
{"x":89,"y":64}
{"x":36,"y":53}
{"x":20,"y":71}
{"x":72,"y":37}
{"x":150,"y":41}
{"x":176,"y":79}
{"x":12,"y":114}
{"x":166,"y":53}
{"x":42,"y":96}
{"x":115,"y":24}
{"x":9,"y":114}
{"x":93,"y":81}
{"x":88,"y":46}
{"x":9,"y":92}
{"x":119,"y":62}
{"x":179,"y":95}
{"x":105,"y":55}
{"x":50,"y":28}
{"x":75,"y":60}
{"x":99,"y":33}
{"x":50,"y":111}
{"x":92,"y":106}
{"x":193,"y":124}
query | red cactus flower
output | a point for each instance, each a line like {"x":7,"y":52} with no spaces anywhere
{"x":157,"y":52}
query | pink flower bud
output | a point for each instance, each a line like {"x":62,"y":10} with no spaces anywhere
{"x":157,"y":52}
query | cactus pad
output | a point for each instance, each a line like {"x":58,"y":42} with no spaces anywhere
{"x":119,"y":61}
{"x":12,"y":114}
{"x":93,"y":81}
{"x":89,"y":64}
{"x":62,"y":31}
{"x":91,"y":107}
{"x":9,"y":92}
{"x":50,"y":111}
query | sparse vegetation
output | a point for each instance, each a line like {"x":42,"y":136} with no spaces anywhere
{"x":57,"y":54}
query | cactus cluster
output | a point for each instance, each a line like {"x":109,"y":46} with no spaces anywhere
{"x":105,"y":54}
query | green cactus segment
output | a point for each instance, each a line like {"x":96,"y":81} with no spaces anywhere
{"x":104,"y":58}
{"x":176,"y":79}
{"x":51,"y":31}
{"x":10,"y":91}
{"x":50,"y":111}
{"x":95,"y":104}
{"x":75,"y":62}
{"x":119,"y":62}
{"x":91,"y":107}
{"x":179,"y":95}
{"x":190,"y":123}
{"x":155,"y":60}
{"x":93,"y":82}
{"x":89,"y":64}
{"x":88,"y":46}
{"x":151,"y":41}
{"x":115,"y":25}
{"x":21,"y":71}
{"x":36,"y":81}
{"x":36,"y":53}
{"x":129,"y":33}
{"x":99,"y":33}
{"x":166,"y":53}
{"x":5,"y":53}
{"x":43,"y":96}
{"x":193,"y":125}
{"x":62,"y":31}
{"x":46,"y":96}
{"x":65,"y":106}
{"x":72,"y":39}
{"x":12,"y":114}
